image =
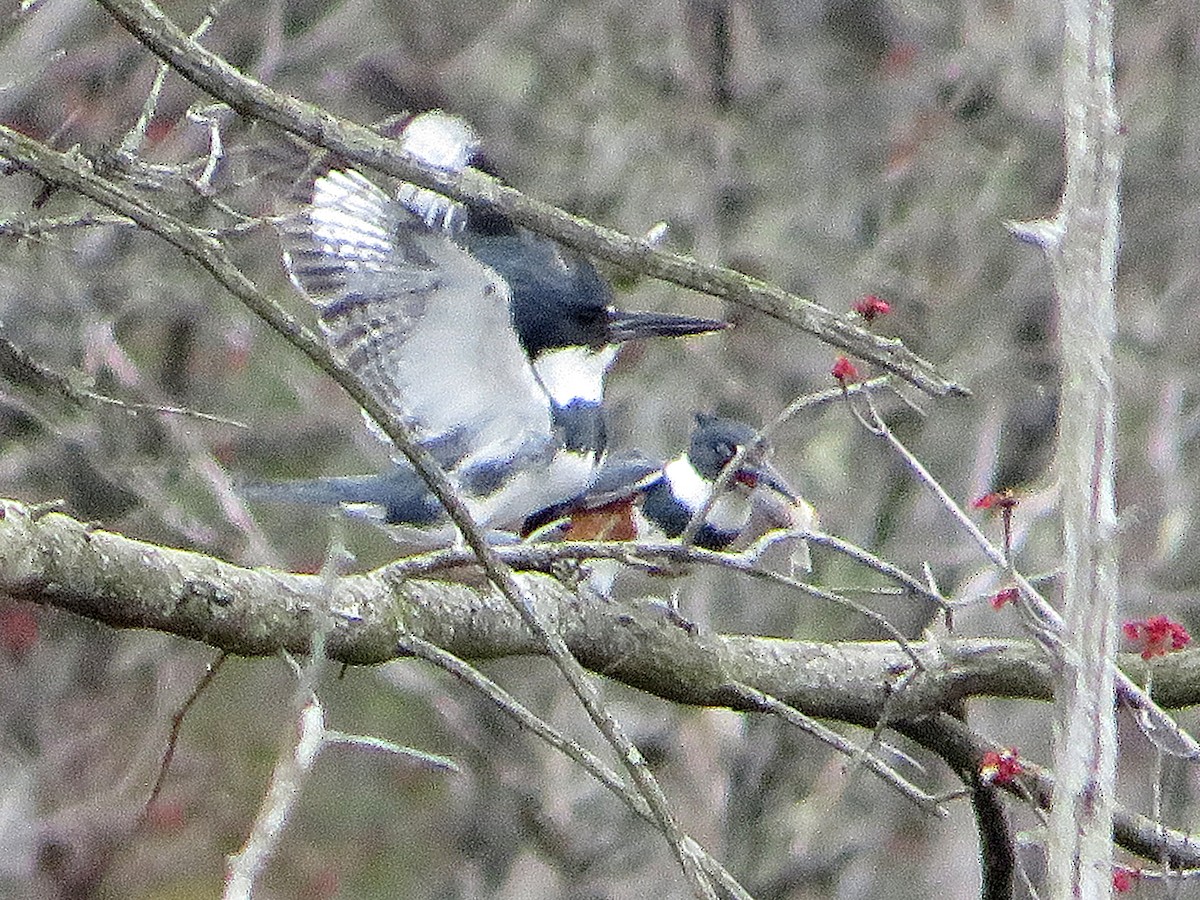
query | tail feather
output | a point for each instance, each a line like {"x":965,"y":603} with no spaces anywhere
{"x":400,"y":496}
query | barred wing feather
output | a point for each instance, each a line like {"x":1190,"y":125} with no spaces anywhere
{"x":421,"y":322}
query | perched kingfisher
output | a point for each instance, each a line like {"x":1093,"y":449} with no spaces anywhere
{"x":491,"y":342}
{"x":634,"y":497}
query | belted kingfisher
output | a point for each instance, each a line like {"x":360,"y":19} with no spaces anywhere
{"x":562,"y":309}
{"x":491,"y":342}
{"x":635,"y":497}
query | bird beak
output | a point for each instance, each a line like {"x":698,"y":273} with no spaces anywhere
{"x":763,"y":473}
{"x":626,"y":325}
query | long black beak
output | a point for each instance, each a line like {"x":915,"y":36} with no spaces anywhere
{"x":630,"y":325}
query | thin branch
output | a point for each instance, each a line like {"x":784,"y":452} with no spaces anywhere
{"x":910,"y":583}
{"x":962,"y":748}
{"x":32,"y":228}
{"x":431,"y":761}
{"x":359,"y":145}
{"x":136,"y":136}
{"x":546,"y":557}
{"x":828,"y":736}
{"x":411,"y":645}
{"x":22,"y":369}
{"x":210,"y":672}
{"x":283,"y":792}
{"x":510,"y":706}
{"x":73,"y":171}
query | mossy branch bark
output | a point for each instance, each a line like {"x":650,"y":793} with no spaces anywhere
{"x":55,"y":560}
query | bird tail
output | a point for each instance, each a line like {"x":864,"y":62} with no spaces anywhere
{"x":398,"y":497}
{"x":307,"y":492}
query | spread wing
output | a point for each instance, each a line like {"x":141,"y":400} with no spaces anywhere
{"x":423,"y":324}
{"x":447,"y":142}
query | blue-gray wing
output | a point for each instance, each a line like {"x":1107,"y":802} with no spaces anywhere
{"x":621,"y":479}
{"x":424,"y":325}
{"x":622,"y":475}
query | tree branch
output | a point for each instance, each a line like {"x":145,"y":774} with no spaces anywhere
{"x":362,"y":146}
{"x":58,"y":561}
{"x":962,"y":748}
{"x":55,"y":560}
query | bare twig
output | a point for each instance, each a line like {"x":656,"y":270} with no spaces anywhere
{"x":210,"y":672}
{"x":510,"y":706}
{"x":31,"y":228}
{"x":543,"y":557}
{"x":825,"y":735}
{"x":362,"y":146}
{"x":432,"y":761}
{"x":136,"y":136}
{"x":20,"y":368}
{"x":911,"y":584}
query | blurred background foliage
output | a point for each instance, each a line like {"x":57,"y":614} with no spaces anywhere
{"x":836,"y":149}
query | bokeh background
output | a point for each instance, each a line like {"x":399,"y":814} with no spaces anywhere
{"x":837,"y":149}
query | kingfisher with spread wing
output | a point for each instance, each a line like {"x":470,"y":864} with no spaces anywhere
{"x":490,"y":342}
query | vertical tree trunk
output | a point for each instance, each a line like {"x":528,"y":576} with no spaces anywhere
{"x":1082,"y":249}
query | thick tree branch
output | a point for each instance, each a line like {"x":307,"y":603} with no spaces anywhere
{"x":360,"y":145}
{"x":58,"y":561}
